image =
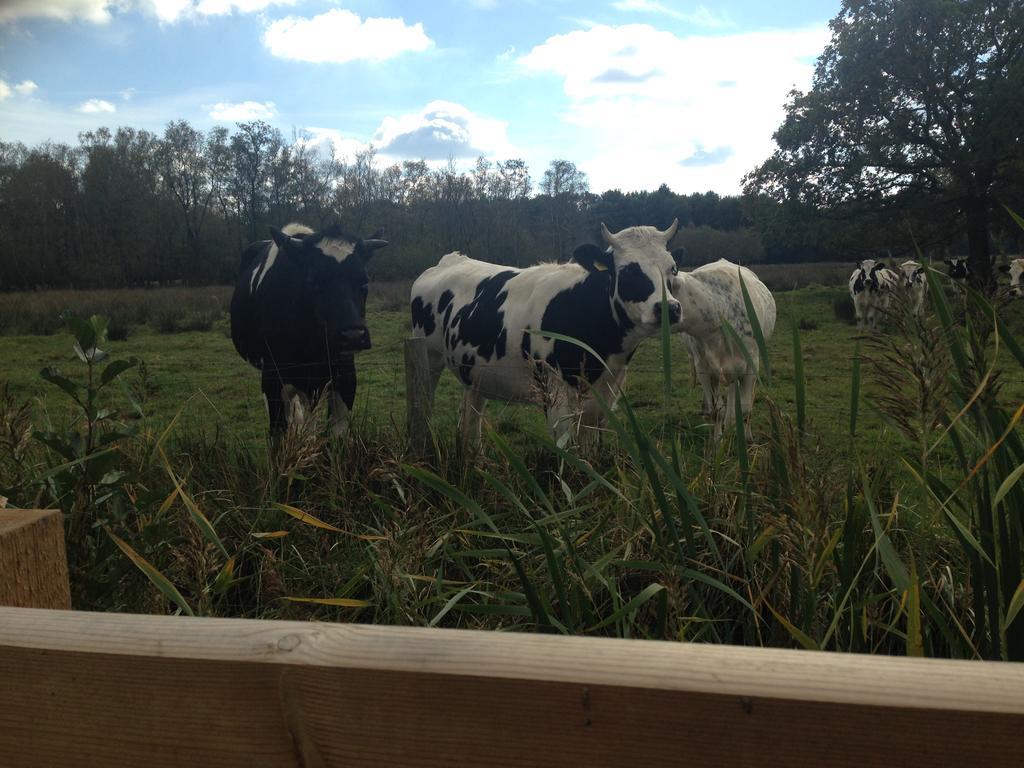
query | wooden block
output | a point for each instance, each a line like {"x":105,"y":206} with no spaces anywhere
{"x":33,"y":565}
{"x":83,"y":689}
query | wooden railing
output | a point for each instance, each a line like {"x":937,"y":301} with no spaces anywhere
{"x":90,"y":689}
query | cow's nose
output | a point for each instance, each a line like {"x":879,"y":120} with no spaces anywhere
{"x":356,"y":337}
{"x":674,"y":312}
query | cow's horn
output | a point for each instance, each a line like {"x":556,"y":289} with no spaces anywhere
{"x":669,"y":233}
{"x":374,"y":243}
{"x":609,"y":238}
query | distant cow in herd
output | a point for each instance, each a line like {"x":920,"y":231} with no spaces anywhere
{"x":872,"y":287}
{"x":915,"y":284}
{"x":1015,"y":269}
{"x":485,"y":323}
{"x":298,"y":314}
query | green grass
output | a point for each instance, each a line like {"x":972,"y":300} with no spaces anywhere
{"x":805,"y":540}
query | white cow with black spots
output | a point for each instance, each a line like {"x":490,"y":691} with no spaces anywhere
{"x":914,"y":283}
{"x":711,"y":296}
{"x":481,"y":321}
{"x":872,"y":285}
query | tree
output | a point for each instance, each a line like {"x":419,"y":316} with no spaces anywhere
{"x":185,"y":166}
{"x":914,"y":103}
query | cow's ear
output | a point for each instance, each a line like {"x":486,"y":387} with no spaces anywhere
{"x":593,"y":259}
{"x":1004,"y":267}
{"x":372,"y":244}
{"x":879,"y":265}
{"x":282,"y":240}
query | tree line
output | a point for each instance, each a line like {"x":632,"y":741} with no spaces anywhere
{"x":911,"y":137}
{"x":129,"y":207}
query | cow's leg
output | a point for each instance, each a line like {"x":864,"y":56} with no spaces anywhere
{"x":297,"y":406}
{"x":271,"y":385}
{"x":342,"y":395}
{"x":470,"y":420}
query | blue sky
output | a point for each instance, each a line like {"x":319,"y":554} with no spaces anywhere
{"x":635,"y":92}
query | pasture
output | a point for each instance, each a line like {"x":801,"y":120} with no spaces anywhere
{"x":814,"y":537}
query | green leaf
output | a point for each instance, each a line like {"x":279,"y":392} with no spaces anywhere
{"x":160,"y":581}
{"x":755,"y":326}
{"x":341,"y":602}
{"x":305,"y":517}
{"x":55,"y":377}
{"x":200,"y":520}
{"x":1016,"y":603}
{"x":799,"y":381}
{"x":855,"y":389}
{"x":799,"y":635}
{"x":625,"y":610}
{"x":116,"y":368}
{"x":81,"y":329}
{"x":1007,"y":485}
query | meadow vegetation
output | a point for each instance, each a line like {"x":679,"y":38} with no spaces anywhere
{"x":878,"y":509}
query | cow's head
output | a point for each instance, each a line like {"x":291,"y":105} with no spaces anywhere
{"x":1015,"y":269}
{"x":911,"y":272}
{"x":958,"y":269}
{"x":639,"y":267}
{"x":866,"y":275}
{"x":334,"y":281}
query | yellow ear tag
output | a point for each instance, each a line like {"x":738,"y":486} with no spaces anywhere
{"x":600,"y":266}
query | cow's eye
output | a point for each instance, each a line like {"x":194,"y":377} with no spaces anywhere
{"x":675,"y":270}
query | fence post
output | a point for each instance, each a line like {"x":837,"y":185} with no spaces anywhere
{"x":418,"y":397}
{"x":33,"y":564}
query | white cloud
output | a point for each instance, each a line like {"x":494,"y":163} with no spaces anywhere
{"x":171,"y":11}
{"x":242,"y":111}
{"x":94,"y":106}
{"x":645,"y":100}
{"x":26,"y":87}
{"x":95,"y":11}
{"x":701,"y":16}
{"x":440,"y":130}
{"x":340,"y":36}
{"x":344,"y":147}
{"x":5,"y":90}
{"x":128,"y":94}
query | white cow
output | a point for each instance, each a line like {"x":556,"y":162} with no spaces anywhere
{"x":871,"y":287}
{"x":481,"y":321}
{"x":914,"y":283}
{"x":1015,"y":269}
{"x":708,"y":296}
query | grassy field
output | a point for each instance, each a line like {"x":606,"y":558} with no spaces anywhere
{"x":799,"y":539}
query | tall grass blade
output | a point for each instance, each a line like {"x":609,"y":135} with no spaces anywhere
{"x":161,"y":582}
{"x":755,"y":326}
{"x":799,"y":381}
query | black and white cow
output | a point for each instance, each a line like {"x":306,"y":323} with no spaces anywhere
{"x":478,"y":320}
{"x":298,"y":313}
{"x":1014,"y":269}
{"x":959,"y":270}
{"x":871,"y":288}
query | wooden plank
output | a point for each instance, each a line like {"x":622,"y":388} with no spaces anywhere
{"x":33,"y":564}
{"x":418,"y":398}
{"x":103,"y":689}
